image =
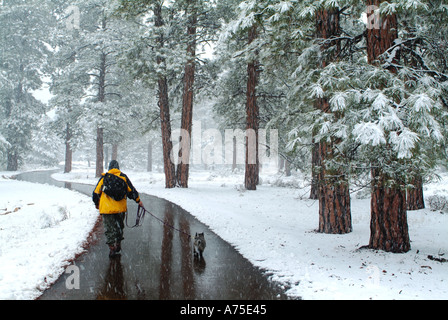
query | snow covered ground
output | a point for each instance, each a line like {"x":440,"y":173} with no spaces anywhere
{"x":273,"y":227}
{"x":41,"y":229}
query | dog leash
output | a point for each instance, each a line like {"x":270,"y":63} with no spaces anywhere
{"x":141,"y":215}
{"x":139,"y":218}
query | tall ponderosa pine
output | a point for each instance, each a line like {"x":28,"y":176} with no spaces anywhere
{"x":332,"y":183}
{"x":188,"y":96}
{"x":388,"y":224}
{"x":170,"y":173}
{"x":251,"y":178}
{"x":102,"y":68}
{"x":247,"y":24}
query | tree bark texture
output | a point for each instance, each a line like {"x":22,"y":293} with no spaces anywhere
{"x":414,"y":198}
{"x":327,"y":27}
{"x":314,"y":192}
{"x":381,"y":34}
{"x":388,"y":224}
{"x":333,"y":190}
{"x":332,"y":184}
{"x":251,"y":178}
{"x":187,"y":104}
{"x":167,"y":145}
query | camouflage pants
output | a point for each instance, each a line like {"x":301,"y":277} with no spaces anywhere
{"x":113,"y":227}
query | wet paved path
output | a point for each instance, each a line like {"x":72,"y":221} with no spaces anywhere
{"x":157,"y":262}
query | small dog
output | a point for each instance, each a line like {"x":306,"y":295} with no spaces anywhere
{"x":199,"y":243}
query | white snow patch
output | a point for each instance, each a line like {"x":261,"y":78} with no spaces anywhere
{"x":41,"y":229}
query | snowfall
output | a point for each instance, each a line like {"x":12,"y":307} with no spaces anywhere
{"x":43,"y":228}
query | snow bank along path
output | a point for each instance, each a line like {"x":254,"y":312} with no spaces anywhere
{"x":41,"y":229}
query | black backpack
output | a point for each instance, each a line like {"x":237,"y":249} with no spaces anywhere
{"x":115,"y":187}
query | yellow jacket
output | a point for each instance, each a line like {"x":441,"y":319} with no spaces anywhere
{"x":106,"y":204}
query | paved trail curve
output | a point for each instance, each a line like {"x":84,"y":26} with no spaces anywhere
{"x":157,"y":262}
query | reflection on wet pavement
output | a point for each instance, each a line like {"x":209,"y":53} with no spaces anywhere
{"x":157,"y":262}
{"x":113,"y":286}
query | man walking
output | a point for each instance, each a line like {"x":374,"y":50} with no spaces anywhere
{"x":109,"y":197}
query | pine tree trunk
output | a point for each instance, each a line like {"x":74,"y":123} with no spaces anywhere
{"x":99,"y":152}
{"x":234,"y":165}
{"x":251,"y":174}
{"x":332,"y":185}
{"x":163,"y":102}
{"x":382,"y":36}
{"x":106,"y":156}
{"x":314,"y":192}
{"x":388,"y":224}
{"x":167,"y":145}
{"x":101,"y":99}
{"x":114,"y":151}
{"x":415,"y":199}
{"x":287,"y":168}
{"x":68,"y":150}
{"x":68,"y":158}
{"x":13,"y":160}
{"x":333,"y":191}
{"x":187,"y":104}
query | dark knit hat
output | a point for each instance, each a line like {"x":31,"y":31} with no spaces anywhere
{"x":114,"y":165}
